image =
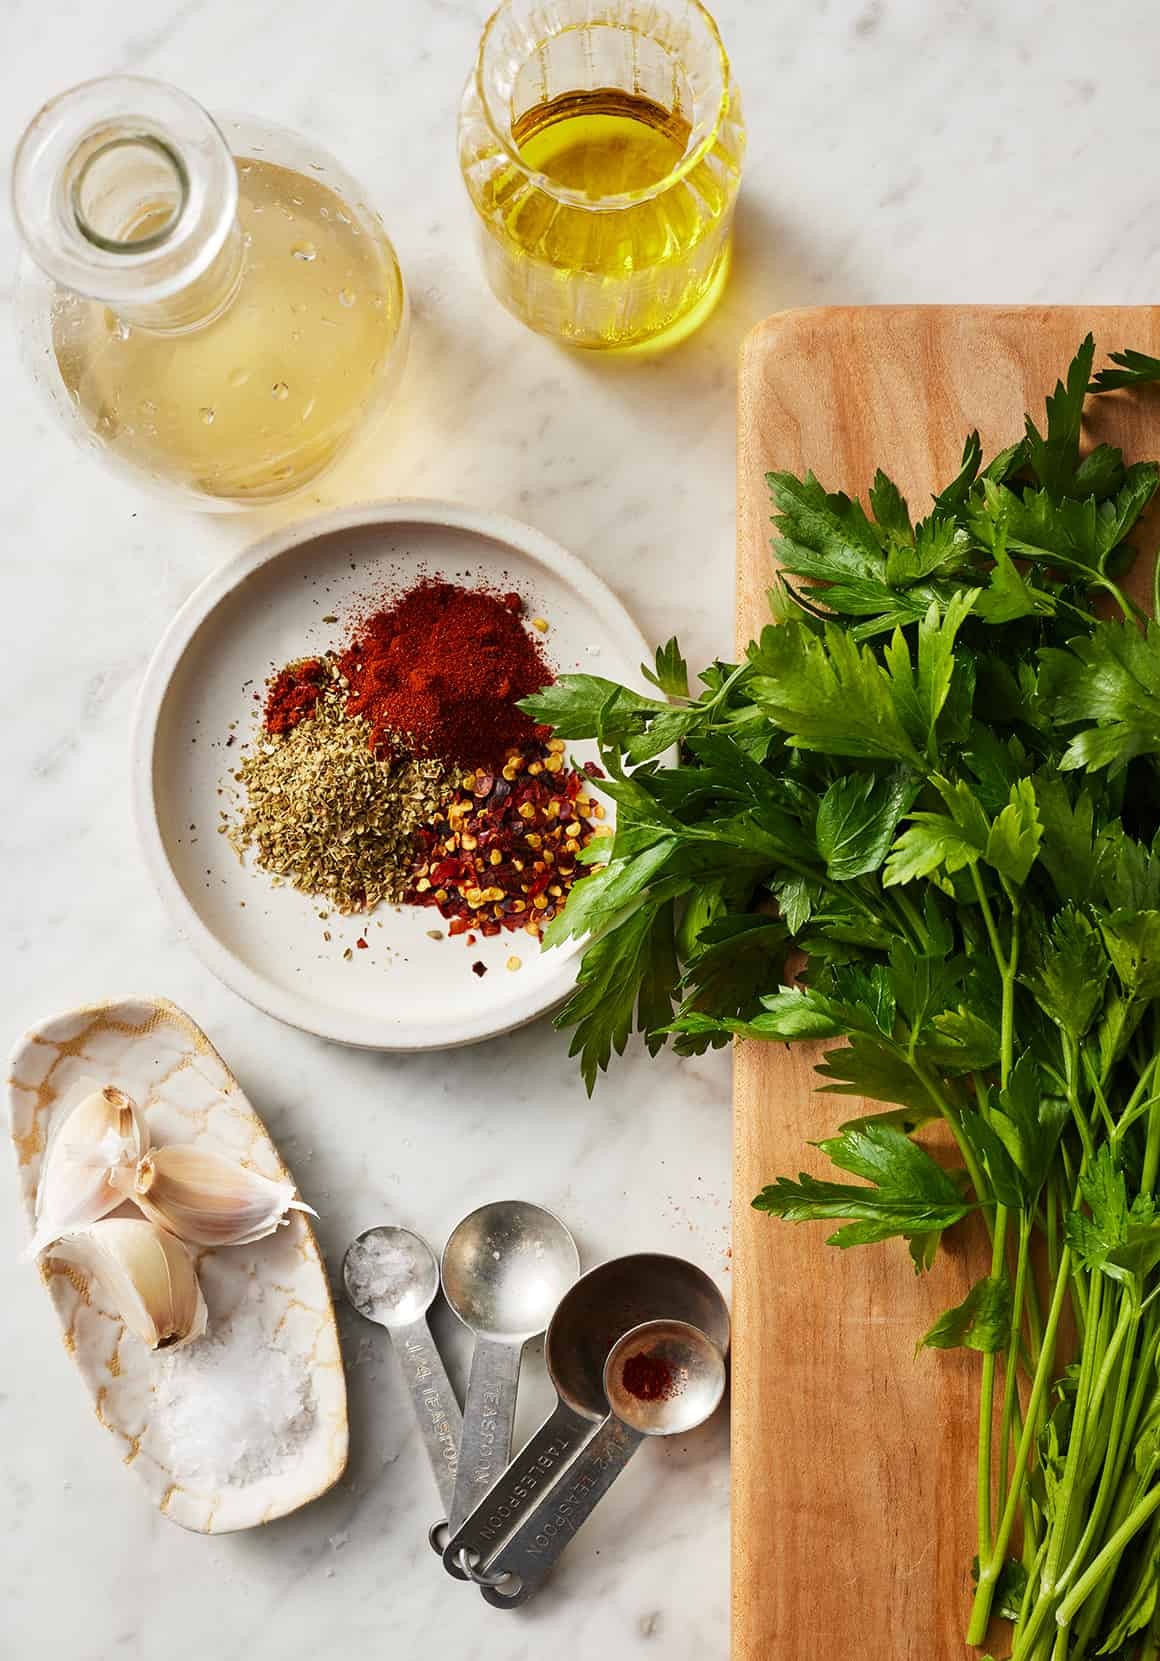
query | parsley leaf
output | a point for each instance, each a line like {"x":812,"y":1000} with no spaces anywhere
{"x":888,"y":505}
{"x":581,"y":706}
{"x":1119,"y":1240}
{"x":1054,"y":459}
{"x":1135,"y":369}
{"x":909,"y":1192}
{"x":622,"y":975}
{"x":829,"y":694}
{"x":864,"y":1067}
{"x":919,"y":694}
{"x":1112,"y":678}
{"x":671,"y":674}
{"x":857,"y":818}
{"x":1067,"y":971}
{"x":823,"y":535}
{"x":981,"y":1322}
{"x":733,"y":963}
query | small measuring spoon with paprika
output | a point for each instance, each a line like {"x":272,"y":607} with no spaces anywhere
{"x":661,"y":1379}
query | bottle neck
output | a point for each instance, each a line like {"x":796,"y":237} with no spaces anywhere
{"x":125,"y":191}
{"x":206,"y":295}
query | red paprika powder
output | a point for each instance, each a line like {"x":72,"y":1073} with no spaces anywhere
{"x":441,"y":670}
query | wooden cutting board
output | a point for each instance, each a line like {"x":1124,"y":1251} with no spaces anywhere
{"x":853,"y":1460}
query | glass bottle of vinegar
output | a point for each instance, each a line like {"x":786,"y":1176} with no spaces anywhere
{"x":222,"y":311}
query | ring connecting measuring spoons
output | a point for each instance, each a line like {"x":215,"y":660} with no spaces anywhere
{"x":679,"y":1382}
{"x":599,"y":1309}
{"x":392,"y":1278}
{"x":505,"y":1269}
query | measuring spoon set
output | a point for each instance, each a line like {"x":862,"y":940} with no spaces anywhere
{"x":510,"y":1271}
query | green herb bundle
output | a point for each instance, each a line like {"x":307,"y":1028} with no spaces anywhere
{"x":937,"y":776}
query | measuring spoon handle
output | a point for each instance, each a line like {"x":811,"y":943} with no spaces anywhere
{"x":432,"y":1401}
{"x":534,"y":1549}
{"x":538,"y":1465}
{"x":488,"y":1414}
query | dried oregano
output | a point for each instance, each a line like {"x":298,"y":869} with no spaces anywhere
{"x":324,"y":814}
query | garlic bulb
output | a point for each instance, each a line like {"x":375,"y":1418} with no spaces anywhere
{"x":103,"y":1134}
{"x":206,"y":1198}
{"x":146,"y":1275}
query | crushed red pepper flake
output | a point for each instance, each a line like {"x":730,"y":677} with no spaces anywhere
{"x":535,"y":819}
{"x":293,"y":694}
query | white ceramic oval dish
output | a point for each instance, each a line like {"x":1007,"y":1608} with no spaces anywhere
{"x":201,"y":700}
{"x":249,"y":1422}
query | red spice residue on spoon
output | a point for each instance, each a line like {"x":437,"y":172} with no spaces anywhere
{"x":650,"y":1378}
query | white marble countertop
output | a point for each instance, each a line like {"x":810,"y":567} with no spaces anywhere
{"x":899,"y":150}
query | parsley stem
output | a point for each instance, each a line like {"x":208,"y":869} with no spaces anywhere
{"x":1108,"y":1557}
{"x":1068,"y":1495}
{"x":1129,"y":1316}
{"x":1151,"y":1150}
{"x":989,"y":1570}
{"x":1132,"y":612}
{"x":913,"y":916}
{"x":1011,"y":1375}
{"x":1029,"y":1591}
{"x":1071,"y":1068}
{"x":1007,"y":962}
{"x":1051,"y":1207}
{"x":974,"y":1170}
{"x":987,"y":1401}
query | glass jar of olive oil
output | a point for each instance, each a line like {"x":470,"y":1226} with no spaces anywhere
{"x":601,"y":143}
{"x":218,"y":310}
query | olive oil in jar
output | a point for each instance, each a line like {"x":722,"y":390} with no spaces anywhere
{"x":589,"y":208}
{"x":256,"y":402}
{"x":602,"y":143}
{"x":603,"y":156}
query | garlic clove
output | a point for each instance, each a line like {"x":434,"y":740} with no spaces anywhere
{"x":147,"y":1275}
{"x":206,"y":1198}
{"x":104,"y":1133}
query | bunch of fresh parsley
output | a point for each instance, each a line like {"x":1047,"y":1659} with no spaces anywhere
{"x":936,"y":776}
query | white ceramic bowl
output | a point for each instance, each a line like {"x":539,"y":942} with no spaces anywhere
{"x":203,"y":689}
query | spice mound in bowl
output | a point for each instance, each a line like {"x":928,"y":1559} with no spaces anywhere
{"x":440,"y":671}
{"x":399,"y":768}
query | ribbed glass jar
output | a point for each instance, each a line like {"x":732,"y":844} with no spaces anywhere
{"x":601,"y":142}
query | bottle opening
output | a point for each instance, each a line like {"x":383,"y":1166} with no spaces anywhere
{"x":126,"y":192}
{"x":129,"y":193}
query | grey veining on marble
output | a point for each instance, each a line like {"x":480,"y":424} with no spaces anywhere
{"x":900,"y":150}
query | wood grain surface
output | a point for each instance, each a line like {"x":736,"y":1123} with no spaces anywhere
{"x":853,"y":1460}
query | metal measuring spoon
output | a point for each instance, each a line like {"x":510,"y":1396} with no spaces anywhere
{"x":392,"y":1278}
{"x":684,"y":1380}
{"x":599,"y":1309}
{"x":504,"y":1270}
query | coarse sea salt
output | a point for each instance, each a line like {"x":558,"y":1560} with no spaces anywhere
{"x":232,"y":1408}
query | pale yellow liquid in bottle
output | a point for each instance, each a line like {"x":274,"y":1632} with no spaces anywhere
{"x":257,"y":402}
{"x":635,"y":269}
